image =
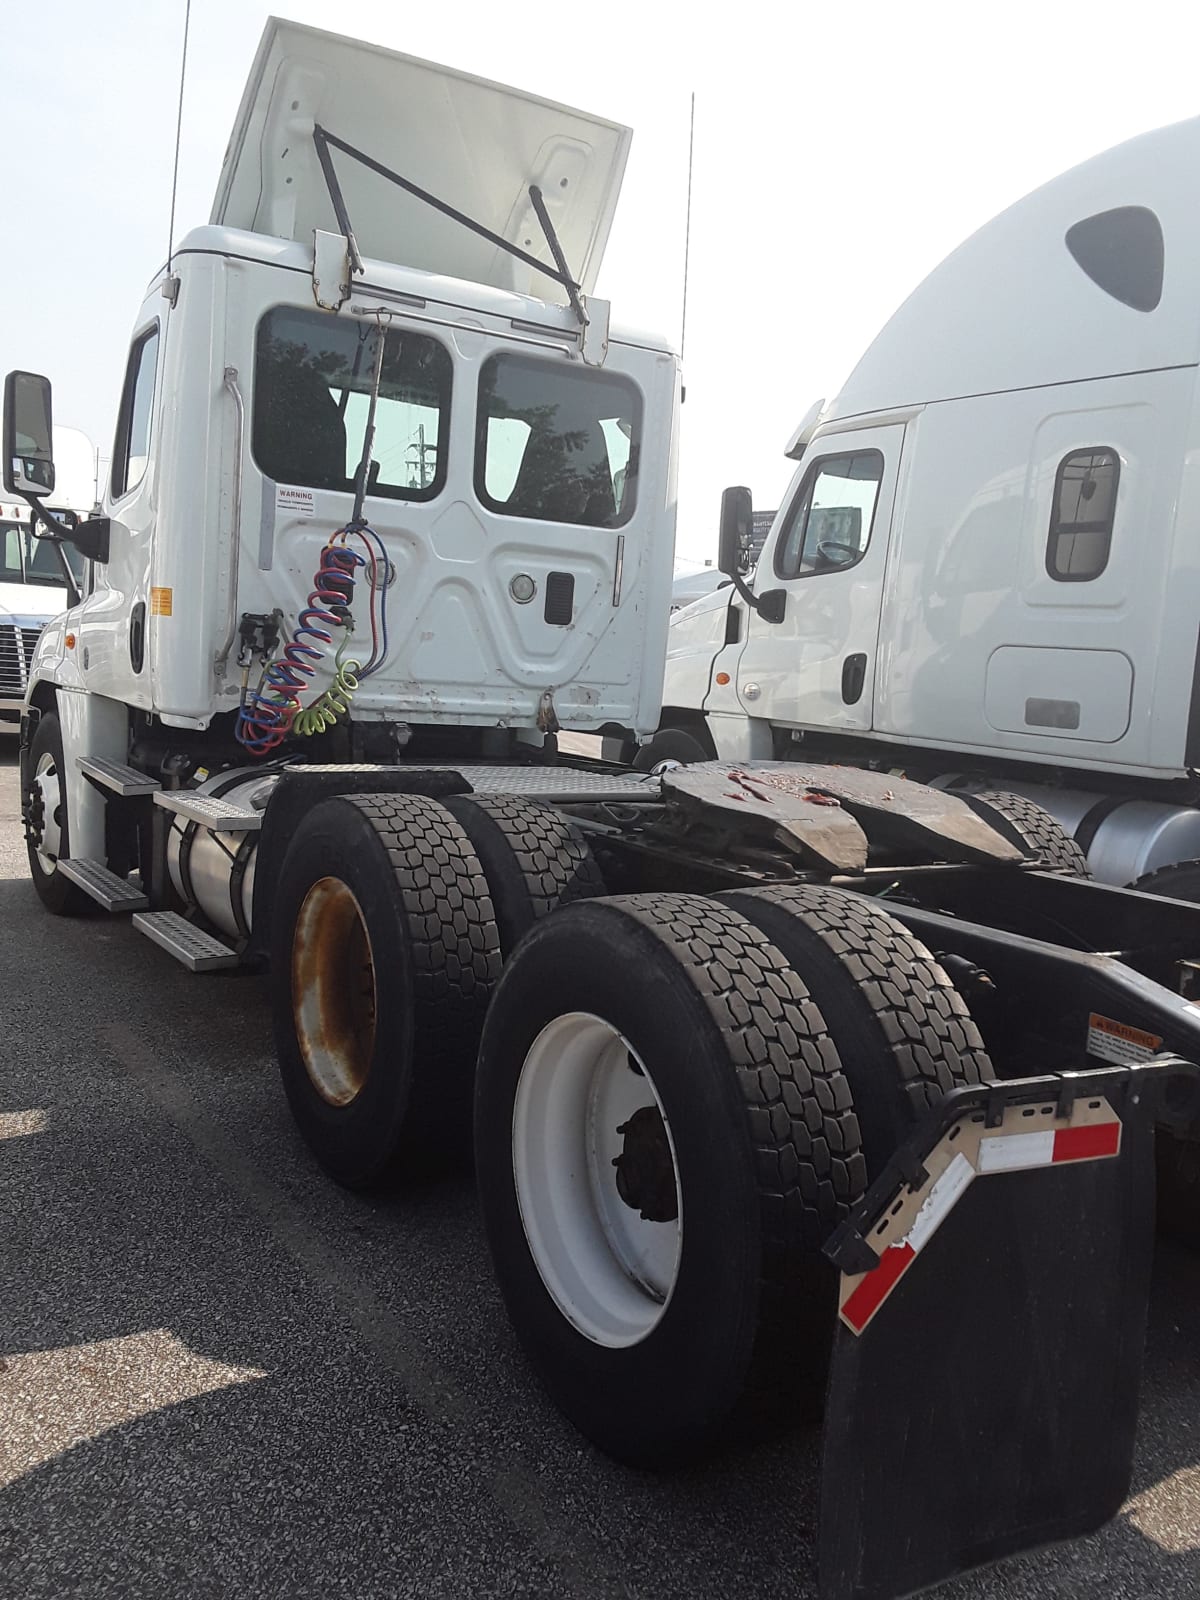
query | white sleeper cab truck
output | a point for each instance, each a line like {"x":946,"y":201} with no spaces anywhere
{"x":985,"y":570}
{"x":390,"y":503}
{"x":33,"y":582}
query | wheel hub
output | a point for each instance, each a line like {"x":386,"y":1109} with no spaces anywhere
{"x":645,"y":1171}
{"x":597,"y":1180}
{"x":43,"y":827}
{"x":333,"y":991}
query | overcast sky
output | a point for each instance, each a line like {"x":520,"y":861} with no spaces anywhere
{"x":840,"y":152}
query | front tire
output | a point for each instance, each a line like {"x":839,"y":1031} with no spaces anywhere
{"x":383,"y":954}
{"x":47,"y":824}
{"x":663,"y":1139}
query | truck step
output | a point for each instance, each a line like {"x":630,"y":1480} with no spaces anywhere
{"x":115,"y":775}
{"x":105,"y":887}
{"x":218,"y":816}
{"x":197,"y":950}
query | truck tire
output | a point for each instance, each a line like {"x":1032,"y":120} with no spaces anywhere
{"x":48,"y":827}
{"x":1038,"y":832}
{"x":673,"y":744}
{"x":900,"y":1027}
{"x":378,"y":1073}
{"x":1179,"y":881}
{"x":533,"y":857}
{"x":663,"y":1140}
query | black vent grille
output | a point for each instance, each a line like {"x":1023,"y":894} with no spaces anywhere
{"x":560,"y":599}
{"x":16,"y":652}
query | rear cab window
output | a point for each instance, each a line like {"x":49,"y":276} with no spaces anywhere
{"x":312,"y":386}
{"x":557,"y":443}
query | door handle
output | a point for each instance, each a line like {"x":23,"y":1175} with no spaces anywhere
{"x":854,"y":677}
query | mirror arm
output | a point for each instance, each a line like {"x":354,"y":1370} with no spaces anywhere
{"x":55,"y":535}
{"x":744,"y":589}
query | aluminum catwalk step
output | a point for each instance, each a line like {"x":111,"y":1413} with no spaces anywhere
{"x":105,"y":887}
{"x":218,"y":816}
{"x":115,"y":775}
{"x":191,"y":946}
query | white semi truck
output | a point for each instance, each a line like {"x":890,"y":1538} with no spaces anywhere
{"x":984,"y":572}
{"x":33,"y":583}
{"x":381,"y":518}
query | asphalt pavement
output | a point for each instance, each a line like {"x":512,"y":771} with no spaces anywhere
{"x":220,"y":1375}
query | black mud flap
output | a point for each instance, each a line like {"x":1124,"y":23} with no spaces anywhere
{"x":983,"y":1393}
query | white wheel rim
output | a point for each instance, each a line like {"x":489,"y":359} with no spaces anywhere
{"x":45,"y":781}
{"x":610,"y":1270}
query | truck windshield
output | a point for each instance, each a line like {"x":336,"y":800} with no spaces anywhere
{"x":24,"y":559}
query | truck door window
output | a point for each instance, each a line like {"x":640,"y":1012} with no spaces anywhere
{"x":131,"y":448}
{"x":1082,"y":515}
{"x":829,"y":525}
{"x":312,"y":384}
{"x":557,"y":443}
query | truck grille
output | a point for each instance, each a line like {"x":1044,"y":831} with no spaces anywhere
{"x":16,"y":652}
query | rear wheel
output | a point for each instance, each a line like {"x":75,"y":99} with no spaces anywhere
{"x":534,"y":859}
{"x":1038,"y":832}
{"x":901,"y":1029}
{"x":383,"y":953}
{"x":672,"y":744}
{"x":663,"y":1139}
{"x":47,"y":827}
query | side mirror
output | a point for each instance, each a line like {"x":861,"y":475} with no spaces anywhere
{"x":28,"y":442}
{"x":737,"y":526}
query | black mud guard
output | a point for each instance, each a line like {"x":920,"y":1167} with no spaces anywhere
{"x":983,"y":1391}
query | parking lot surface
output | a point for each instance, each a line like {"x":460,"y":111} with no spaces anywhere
{"x":221,"y":1375}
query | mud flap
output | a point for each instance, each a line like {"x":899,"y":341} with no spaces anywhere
{"x":983,"y":1392}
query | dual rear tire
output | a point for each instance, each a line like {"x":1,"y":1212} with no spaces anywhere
{"x":676,"y":1098}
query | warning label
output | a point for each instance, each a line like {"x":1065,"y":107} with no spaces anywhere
{"x":1118,"y":1043}
{"x":295,"y":502}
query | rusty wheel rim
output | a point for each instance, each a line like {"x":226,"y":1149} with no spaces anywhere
{"x":333,"y":991}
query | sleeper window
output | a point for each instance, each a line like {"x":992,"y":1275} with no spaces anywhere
{"x":312,"y":387}
{"x":829,"y":526}
{"x":1082,"y":515}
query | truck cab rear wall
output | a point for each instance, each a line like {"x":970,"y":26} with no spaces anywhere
{"x":463,"y":651}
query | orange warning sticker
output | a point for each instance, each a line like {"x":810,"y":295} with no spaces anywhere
{"x":160,"y":602}
{"x":1119,"y":1043}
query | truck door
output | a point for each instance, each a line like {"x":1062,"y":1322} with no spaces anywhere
{"x":816,"y":667}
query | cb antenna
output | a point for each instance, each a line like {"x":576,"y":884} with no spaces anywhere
{"x":687,"y":227}
{"x":170,"y":287}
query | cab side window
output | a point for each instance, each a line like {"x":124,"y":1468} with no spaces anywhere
{"x":131,"y":448}
{"x":829,"y":525}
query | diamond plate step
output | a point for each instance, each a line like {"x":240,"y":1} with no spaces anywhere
{"x":218,"y":816}
{"x":115,"y":775}
{"x":198,"y":951}
{"x":105,"y":887}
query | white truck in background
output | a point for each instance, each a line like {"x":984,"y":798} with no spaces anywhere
{"x":33,"y":586}
{"x":381,"y":518}
{"x":986,"y":571}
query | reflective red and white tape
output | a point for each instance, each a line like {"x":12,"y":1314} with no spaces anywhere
{"x":996,"y":1152}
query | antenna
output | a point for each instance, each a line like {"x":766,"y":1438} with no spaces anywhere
{"x":187,"y":20}
{"x":687,"y":230}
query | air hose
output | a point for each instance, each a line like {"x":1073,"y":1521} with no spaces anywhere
{"x":269,"y":714}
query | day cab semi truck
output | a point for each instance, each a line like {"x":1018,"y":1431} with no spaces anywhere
{"x":786,"y":1080}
